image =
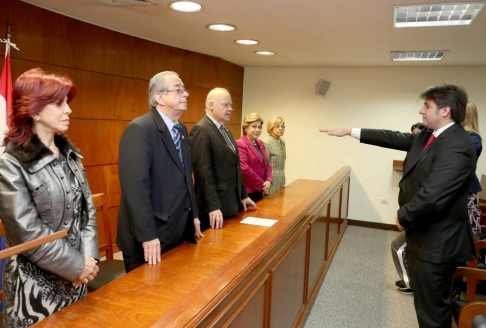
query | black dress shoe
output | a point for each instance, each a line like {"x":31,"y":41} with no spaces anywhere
{"x":402,"y":288}
{"x":400,"y":284}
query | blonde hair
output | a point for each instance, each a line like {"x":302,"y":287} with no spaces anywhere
{"x":251,"y":118}
{"x":273,"y":122}
{"x":471,"y":120}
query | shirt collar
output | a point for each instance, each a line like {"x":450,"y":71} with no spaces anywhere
{"x":167,"y":120}
{"x":442,"y":129}
{"x":214,"y":121}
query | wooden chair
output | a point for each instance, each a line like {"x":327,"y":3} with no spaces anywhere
{"x":466,"y":310}
{"x":110,"y":269}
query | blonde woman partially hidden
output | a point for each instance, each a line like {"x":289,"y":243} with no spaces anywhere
{"x":275,"y":147}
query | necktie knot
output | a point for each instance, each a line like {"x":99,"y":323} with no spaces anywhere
{"x":431,"y":139}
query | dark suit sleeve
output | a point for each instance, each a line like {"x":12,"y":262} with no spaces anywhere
{"x":135,"y":158}
{"x":452,"y":165}
{"x":387,"y":139}
{"x":201,"y":153}
{"x":190,"y":186}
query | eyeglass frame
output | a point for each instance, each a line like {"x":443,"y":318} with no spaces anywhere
{"x":179,"y":91}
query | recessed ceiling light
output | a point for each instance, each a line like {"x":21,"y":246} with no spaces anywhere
{"x":185,"y":6}
{"x":247,"y":42}
{"x":221,"y":27}
{"x":265,"y":53}
{"x":418,"y":55}
{"x":441,"y":14}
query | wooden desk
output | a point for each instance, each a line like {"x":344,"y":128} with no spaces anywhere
{"x":239,"y":276}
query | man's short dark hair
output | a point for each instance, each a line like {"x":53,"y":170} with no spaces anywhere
{"x":448,"y":95}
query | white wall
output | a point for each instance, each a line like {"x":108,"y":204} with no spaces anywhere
{"x":372,"y":97}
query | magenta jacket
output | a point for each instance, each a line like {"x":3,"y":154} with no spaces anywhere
{"x":254,"y":171}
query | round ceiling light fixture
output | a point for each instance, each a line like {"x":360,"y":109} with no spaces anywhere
{"x":186,"y":6}
{"x":221,"y":27}
{"x":247,"y":42}
{"x":265,"y":53}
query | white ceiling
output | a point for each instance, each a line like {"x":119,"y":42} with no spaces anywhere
{"x":304,"y":33}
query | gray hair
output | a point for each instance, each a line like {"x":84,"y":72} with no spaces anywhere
{"x":157,"y":84}
{"x":212,"y":95}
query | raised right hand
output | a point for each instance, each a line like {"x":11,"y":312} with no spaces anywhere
{"x":151,"y":251}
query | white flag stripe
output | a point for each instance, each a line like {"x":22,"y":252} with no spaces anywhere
{"x":3,"y":120}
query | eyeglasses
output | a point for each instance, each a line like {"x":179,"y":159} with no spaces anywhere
{"x":179,"y":91}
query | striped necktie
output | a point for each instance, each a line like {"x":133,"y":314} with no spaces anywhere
{"x":226,"y":138}
{"x":177,"y":141}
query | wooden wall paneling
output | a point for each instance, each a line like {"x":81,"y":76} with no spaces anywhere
{"x":334,"y":220}
{"x":196,"y":105}
{"x":80,"y":45}
{"x":189,"y":126}
{"x":113,"y":192}
{"x":130,"y":98}
{"x":105,"y":179}
{"x":237,"y":109}
{"x":98,"y":95}
{"x":235,"y":130}
{"x":97,"y":139}
{"x":288,"y":285}
{"x":230,"y":76}
{"x":199,"y":70}
{"x":317,"y":251}
{"x":26,"y":32}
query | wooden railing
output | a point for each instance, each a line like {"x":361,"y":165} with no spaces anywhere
{"x":238,"y":276}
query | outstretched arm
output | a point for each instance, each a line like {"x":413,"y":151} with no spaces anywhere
{"x":336,"y":132}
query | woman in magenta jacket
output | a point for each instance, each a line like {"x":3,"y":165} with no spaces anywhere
{"x":256,"y":171}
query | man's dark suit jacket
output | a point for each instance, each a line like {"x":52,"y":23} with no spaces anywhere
{"x":433,"y":191}
{"x":157,"y":191}
{"x":216,"y":170}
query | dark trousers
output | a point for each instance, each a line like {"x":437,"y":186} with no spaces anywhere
{"x":399,"y":255}
{"x":431,"y":284}
{"x":131,"y":263}
{"x":256,"y":196}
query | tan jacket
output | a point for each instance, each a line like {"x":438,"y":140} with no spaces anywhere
{"x":35,"y":201}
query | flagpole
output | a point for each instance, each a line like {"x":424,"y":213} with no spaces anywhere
{"x":8,"y":35}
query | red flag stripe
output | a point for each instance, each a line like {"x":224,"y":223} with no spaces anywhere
{"x":6,"y":87}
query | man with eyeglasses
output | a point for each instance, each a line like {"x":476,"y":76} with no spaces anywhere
{"x":219,"y":186}
{"x":158,"y":208}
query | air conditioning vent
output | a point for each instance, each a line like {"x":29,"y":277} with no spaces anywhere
{"x":126,"y":3}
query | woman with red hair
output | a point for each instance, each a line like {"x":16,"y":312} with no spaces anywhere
{"x":43,"y":189}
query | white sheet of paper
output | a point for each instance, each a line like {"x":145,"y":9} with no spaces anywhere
{"x":259,"y":221}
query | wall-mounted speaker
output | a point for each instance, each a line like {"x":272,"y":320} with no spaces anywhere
{"x":322,"y":86}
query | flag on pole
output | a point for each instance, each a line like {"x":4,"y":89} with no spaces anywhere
{"x":5,"y":96}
